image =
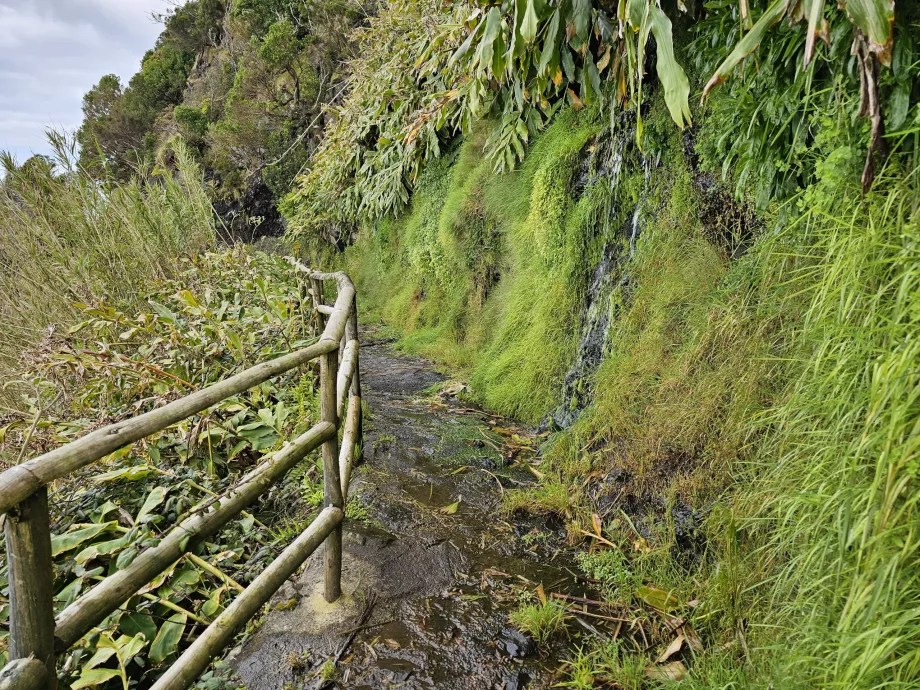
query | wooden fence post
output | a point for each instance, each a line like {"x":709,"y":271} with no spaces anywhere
{"x":332,"y":484}
{"x":316,"y":288}
{"x":28,"y":548}
{"x":351,"y":333}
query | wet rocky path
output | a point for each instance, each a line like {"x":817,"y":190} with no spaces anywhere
{"x":431,"y":567}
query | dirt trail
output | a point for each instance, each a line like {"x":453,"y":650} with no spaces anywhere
{"x":436,"y":578}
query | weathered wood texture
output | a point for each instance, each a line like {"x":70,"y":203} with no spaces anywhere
{"x":347,"y":368}
{"x":349,"y":438}
{"x":332,"y":487}
{"x":26,"y":674}
{"x":28,"y":548}
{"x":92,"y":608}
{"x":196,"y":658}
{"x":19,"y":482}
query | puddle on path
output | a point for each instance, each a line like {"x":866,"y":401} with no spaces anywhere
{"x":442,"y":583}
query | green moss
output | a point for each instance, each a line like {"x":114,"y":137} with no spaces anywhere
{"x":486,"y":272}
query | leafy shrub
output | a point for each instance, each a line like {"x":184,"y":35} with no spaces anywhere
{"x":221,"y":313}
{"x":70,"y":239}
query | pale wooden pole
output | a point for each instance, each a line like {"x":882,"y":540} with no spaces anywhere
{"x":92,"y":608}
{"x":195,"y":660}
{"x":332,"y":486}
{"x":351,"y":333}
{"x":28,"y":546}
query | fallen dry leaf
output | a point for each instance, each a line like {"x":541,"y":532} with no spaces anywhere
{"x":672,"y":671}
{"x":672,"y":649}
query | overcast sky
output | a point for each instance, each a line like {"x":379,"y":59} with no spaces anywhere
{"x":53,"y":51}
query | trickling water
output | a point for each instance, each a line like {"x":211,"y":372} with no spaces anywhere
{"x":610,"y":273}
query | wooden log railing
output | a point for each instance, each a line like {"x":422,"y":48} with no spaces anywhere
{"x":37,"y":636}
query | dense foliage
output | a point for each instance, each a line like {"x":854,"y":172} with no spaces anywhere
{"x":243,"y":83}
{"x":70,"y":237}
{"x":517,"y":62}
{"x":221,"y":313}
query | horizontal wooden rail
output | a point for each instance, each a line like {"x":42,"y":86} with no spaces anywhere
{"x":195,"y":660}
{"x":21,"y":481}
{"x":93,"y":607}
{"x":36,"y":635}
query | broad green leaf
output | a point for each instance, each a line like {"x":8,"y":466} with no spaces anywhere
{"x":657,"y":598}
{"x":130,"y":646}
{"x":96,"y":676}
{"x":70,"y":592}
{"x":102,"y":655}
{"x":875,"y":18}
{"x":70,"y":540}
{"x":154,"y":499}
{"x":102,"y":548}
{"x":167,"y":640}
{"x":130,"y":474}
{"x":163,"y":312}
{"x":672,"y":76}
{"x":899,"y":105}
{"x":138,"y":623}
{"x":748,"y":44}
{"x":212,"y":606}
{"x":530,"y":23}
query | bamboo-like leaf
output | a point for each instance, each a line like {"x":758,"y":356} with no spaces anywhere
{"x":550,"y":44}
{"x":485,"y":50}
{"x":815,"y":13}
{"x":96,"y":676}
{"x":672,"y":75}
{"x":748,"y":44}
{"x":874,"y":18}
{"x":70,"y":540}
{"x":154,"y":499}
{"x":466,"y":45}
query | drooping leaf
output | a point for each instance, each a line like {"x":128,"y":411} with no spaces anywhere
{"x":485,"y":50}
{"x":748,"y":44}
{"x":550,"y":53}
{"x":530,"y":23}
{"x":875,"y":18}
{"x":815,"y":14}
{"x":672,"y":75}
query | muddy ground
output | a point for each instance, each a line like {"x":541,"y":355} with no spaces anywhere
{"x":432,"y":568}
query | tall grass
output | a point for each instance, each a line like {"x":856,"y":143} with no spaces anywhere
{"x":67,"y":238}
{"x":833,"y":513}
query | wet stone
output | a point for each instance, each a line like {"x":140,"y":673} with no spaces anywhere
{"x":516,"y":644}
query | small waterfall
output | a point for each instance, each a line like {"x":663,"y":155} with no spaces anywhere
{"x":610,"y":273}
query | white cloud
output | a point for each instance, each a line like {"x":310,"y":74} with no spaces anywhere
{"x":54,"y":51}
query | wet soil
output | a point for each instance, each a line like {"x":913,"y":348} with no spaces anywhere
{"x":432,"y":569}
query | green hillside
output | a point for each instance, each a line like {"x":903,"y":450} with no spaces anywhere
{"x":680,"y":241}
